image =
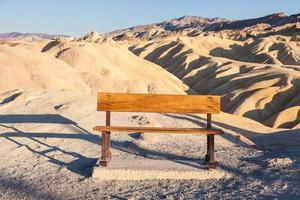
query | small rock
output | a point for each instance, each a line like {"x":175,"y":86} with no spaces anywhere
{"x":58,"y":106}
{"x":143,"y":121}
{"x":280,"y":162}
{"x":140,"y":120}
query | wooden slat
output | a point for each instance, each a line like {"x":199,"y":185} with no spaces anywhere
{"x":158,"y":130}
{"x":120,"y":102}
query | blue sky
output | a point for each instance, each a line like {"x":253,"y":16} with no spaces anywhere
{"x":76,"y":17}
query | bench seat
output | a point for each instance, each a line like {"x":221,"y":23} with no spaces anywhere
{"x":159,"y":130}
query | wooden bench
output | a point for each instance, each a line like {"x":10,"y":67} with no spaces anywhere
{"x":118,"y":102}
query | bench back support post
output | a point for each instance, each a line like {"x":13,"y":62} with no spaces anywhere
{"x":208,"y":120}
{"x":105,"y":146}
{"x":108,"y":115}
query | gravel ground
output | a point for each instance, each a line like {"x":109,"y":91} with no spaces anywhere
{"x":54,"y":162}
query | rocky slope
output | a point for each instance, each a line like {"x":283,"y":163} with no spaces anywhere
{"x":258,"y":79}
{"x":194,"y":25}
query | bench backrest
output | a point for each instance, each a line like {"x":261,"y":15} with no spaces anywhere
{"x":124,"y":102}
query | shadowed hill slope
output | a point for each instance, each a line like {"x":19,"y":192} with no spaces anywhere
{"x":264,"y":92}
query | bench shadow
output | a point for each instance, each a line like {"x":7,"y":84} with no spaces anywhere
{"x":80,"y":165}
{"x":40,"y":119}
{"x":83,"y":166}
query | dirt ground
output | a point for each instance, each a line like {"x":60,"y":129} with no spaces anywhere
{"x":50,"y":155}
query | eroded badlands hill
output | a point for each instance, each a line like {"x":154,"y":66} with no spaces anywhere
{"x":80,"y":66}
{"x":253,"y":64}
{"x":258,"y":79}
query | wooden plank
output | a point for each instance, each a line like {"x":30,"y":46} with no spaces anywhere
{"x":120,"y":102}
{"x":158,"y":130}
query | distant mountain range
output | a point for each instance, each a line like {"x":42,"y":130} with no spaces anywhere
{"x":276,"y":19}
{"x":193,"y":25}
{"x":28,"y":36}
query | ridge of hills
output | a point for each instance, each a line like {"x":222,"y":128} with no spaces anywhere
{"x":186,"y":25}
{"x":259,"y":80}
{"x":195,"y":25}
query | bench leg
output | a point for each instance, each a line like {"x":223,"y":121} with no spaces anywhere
{"x":105,"y":149}
{"x":210,"y":157}
{"x":207,"y":149}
